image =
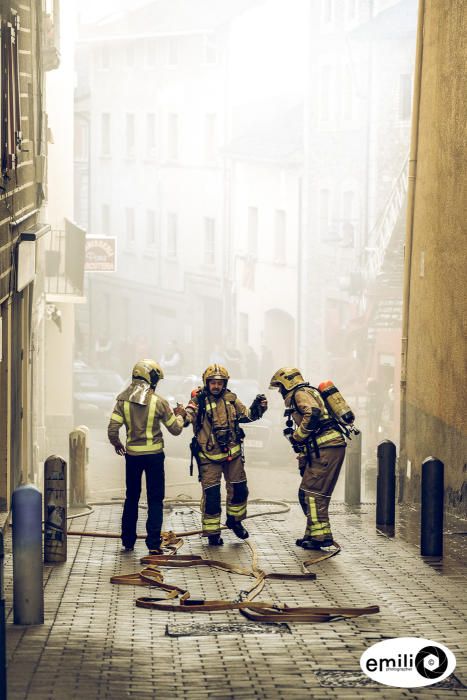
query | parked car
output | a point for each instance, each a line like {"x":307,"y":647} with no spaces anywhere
{"x":94,"y":393}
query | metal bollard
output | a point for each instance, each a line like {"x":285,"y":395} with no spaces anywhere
{"x":432,"y":511}
{"x":86,"y":430}
{"x":386,"y":484}
{"x":353,"y":471}
{"x":3,"y":682}
{"x":55,"y":509}
{"x":78,"y":467}
{"x":28,"y":591}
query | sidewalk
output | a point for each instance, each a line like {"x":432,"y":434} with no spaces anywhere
{"x":95,"y":643}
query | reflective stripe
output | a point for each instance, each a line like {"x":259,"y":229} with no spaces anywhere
{"x":117,"y":418}
{"x":126,"y":411}
{"x":237,"y":513}
{"x":212,"y":520}
{"x":301,"y":432}
{"x":211,"y":405}
{"x":150,"y":423}
{"x":153,"y":447}
{"x":331,"y":435}
{"x":235,"y":508}
{"x":171,"y":420}
{"x":219,"y":456}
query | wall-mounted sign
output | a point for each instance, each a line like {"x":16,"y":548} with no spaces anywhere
{"x":101,"y":254}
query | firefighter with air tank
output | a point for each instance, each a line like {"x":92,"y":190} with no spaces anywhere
{"x":216,"y":414}
{"x":317,"y":420}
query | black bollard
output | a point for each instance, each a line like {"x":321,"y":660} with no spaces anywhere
{"x":386,"y":484}
{"x":3,"y":684}
{"x":431,"y":536}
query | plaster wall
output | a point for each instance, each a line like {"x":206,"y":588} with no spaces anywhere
{"x":437,"y":352}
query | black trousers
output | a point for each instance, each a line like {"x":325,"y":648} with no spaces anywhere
{"x":153,"y":466}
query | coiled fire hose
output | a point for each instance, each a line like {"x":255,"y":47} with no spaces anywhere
{"x":260,"y":611}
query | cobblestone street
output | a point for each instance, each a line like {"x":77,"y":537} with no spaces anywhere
{"x":96,"y":643}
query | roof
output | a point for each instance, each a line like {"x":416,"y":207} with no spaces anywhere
{"x":169,"y":17}
{"x":271,"y":131}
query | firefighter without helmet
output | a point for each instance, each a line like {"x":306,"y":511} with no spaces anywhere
{"x":215,"y":372}
{"x":148,"y":370}
{"x":286,"y":378}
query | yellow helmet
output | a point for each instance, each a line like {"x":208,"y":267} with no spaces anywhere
{"x":286,"y":378}
{"x":148,"y":370}
{"x":215,"y":372}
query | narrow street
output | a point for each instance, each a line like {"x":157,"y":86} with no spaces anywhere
{"x":95,"y":643}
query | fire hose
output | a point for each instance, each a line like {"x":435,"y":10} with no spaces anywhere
{"x":257,"y":611}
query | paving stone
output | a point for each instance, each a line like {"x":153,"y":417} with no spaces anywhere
{"x":95,"y":643}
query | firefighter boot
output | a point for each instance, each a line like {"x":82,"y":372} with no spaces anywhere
{"x":215,"y":540}
{"x":236,"y":527}
{"x":310,"y":543}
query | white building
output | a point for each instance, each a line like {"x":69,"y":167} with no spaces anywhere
{"x":158,"y":106}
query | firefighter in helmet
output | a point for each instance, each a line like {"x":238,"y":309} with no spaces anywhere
{"x":315,"y":436}
{"x":216,"y":415}
{"x":142,"y":411}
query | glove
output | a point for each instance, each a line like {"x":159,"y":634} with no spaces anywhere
{"x":179,"y":410}
{"x":258,"y":406}
{"x":314,"y":420}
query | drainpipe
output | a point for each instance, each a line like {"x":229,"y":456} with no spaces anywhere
{"x":411,"y":189}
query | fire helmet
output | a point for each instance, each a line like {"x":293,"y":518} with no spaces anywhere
{"x":286,"y":378}
{"x":215,"y":372}
{"x":148,"y":370}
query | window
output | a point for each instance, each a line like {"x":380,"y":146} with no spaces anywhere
{"x":348,"y":227}
{"x":104,"y":57}
{"x":105,"y":134}
{"x":130,"y":55}
{"x":172,"y":137}
{"x":209,"y":241}
{"x":210,"y":49}
{"x":151,"y":134}
{"x":252,"y":241}
{"x":130,"y":226}
{"x":105,"y":220}
{"x":152,"y":237}
{"x":130,"y":135}
{"x":325,"y":93}
{"x":351,"y":10}
{"x":172,"y":230}
{"x":151,"y":53}
{"x":347,"y":94}
{"x":81,"y":145}
{"x":324,"y":198}
{"x":172,"y":52}
{"x":405,"y":97}
{"x":210,"y":126}
{"x":243,"y":335}
{"x":279,"y":236}
{"x":327,"y":11}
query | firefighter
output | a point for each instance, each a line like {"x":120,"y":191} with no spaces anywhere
{"x":316,"y":437}
{"x":216,"y":414}
{"x":142,"y":411}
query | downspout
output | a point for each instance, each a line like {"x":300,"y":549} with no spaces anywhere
{"x":411,"y":190}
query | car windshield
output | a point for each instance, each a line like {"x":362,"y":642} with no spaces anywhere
{"x":99,"y":381}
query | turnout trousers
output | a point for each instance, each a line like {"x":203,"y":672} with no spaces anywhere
{"x":153,"y":466}
{"x":237,"y":492}
{"x":318,"y":482}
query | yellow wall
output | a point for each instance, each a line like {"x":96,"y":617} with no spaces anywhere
{"x":437,"y":352}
